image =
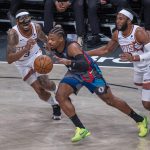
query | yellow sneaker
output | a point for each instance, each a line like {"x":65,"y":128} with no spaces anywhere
{"x":80,"y":134}
{"x":143,"y":127}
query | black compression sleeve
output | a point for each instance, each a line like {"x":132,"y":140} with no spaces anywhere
{"x":80,"y":63}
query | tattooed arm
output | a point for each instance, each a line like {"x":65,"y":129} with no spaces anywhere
{"x":12,"y":54}
{"x":41,"y":35}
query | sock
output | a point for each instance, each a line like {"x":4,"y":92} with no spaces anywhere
{"x":136,"y":117}
{"x":76,"y":121}
{"x":52,"y":101}
{"x":56,"y":110}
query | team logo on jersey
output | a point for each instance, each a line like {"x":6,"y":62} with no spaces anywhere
{"x":101,"y":89}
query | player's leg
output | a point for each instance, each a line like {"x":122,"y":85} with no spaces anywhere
{"x":121,"y":105}
{"x":142,"y":81}
{"x":48,"y":85}
{"x":66,"y":87}
{"x":146,"y":90}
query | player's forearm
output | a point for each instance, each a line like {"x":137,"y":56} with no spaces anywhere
{"x":12,"y":57}
{"x":98,"y":52}
{"x":146,"y":54}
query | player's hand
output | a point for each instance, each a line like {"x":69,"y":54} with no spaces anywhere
{"x":64,"y":61}
{"x":30,"y":44}
{"x":126,"y":57}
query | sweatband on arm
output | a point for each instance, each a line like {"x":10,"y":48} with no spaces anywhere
{"x":146,"y":54}
{"x":80,"y":63}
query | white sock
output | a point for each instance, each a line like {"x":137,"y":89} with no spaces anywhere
{"x":52,"y":101}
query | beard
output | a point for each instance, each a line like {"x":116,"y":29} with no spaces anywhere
{"x":124,"y":27}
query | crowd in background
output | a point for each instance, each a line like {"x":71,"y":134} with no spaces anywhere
{"x":51,"y":6}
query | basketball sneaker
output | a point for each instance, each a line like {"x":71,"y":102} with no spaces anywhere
{"x":143,"y":127}
{"x":80,"y":134}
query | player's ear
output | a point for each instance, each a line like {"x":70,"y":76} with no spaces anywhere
{"x":61,"y":38}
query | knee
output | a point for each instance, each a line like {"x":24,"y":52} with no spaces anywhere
{"x":60,"y":97}
{"x":146,"y":105}
{"x":40,"y":92}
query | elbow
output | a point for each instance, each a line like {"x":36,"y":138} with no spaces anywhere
{"x":9,"y":60}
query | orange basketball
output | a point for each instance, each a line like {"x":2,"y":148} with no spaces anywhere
{"x":43,"y":64}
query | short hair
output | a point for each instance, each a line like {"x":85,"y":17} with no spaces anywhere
{"x":57,"y":29}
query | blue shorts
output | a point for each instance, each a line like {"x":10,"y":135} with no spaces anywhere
{"x":76,"y":83}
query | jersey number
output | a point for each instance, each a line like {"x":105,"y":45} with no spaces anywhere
{"x":27,"y":54}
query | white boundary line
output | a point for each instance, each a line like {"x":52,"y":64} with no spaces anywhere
{"x":4,"y":62}
{"x":105,"y":67}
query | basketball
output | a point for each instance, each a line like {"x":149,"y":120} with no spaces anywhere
{"x":43,"y":64}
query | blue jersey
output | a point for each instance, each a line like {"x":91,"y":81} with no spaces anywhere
{"x":93,"y":70}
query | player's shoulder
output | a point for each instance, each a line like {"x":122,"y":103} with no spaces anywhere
{"x":140,"y":31}
{"x":12,"y":34}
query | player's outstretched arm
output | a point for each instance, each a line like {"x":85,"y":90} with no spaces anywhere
{"x":111,"y":46}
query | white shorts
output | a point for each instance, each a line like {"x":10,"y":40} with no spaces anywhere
{"x":143,"y":78}
{"x":24,"y":69}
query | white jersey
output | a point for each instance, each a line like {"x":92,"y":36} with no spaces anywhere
{"x":30,"y":55}
{"x":130,"y":45}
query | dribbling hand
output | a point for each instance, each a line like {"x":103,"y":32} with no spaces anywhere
{"x":30,"y":44}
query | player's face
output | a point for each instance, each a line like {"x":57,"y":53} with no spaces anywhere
{"x":121,"y":22}
{"x":24,"y":22}
{"x":54,"y":41}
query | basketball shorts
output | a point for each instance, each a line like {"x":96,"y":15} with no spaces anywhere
{"x":143,"y":79}
{"x":27,"y":69}
{"x":76,"y":83}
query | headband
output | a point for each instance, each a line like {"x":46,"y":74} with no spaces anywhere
{"x":22,"y":14}
{"x":126,"y":13}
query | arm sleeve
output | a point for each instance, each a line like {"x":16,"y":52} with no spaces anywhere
{"x":80,"y":63}
{"x":146,"y":54}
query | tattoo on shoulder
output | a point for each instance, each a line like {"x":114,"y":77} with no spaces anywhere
{"x":12,"y":40}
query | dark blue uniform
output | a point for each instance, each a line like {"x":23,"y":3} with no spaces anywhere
{"x":92,"y":78}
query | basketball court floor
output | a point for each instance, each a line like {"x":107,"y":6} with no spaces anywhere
{"x":26,"y":124}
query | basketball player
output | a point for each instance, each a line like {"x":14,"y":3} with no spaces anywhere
{"x":135,"y":44}
{"x":83,"y":71}
{"x":23,"y":49}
